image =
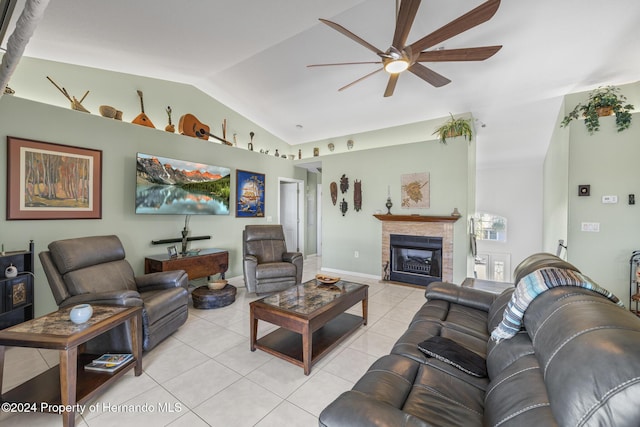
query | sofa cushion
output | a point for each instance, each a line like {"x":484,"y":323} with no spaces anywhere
{"x":517,"y":397}
{"x":465,"y":319}
{"x":589,"y":356}
{"x":266,"y":250}
{"x":74,"y":254}
{"x":501,"y":355}
{"x":397,"y":391}
{"x":497,"y":309}
{"x":110,"y":276}
{"x":277,"y":270}
{"x":159,"y":303}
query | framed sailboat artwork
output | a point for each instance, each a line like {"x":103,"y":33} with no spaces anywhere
{"x":249,"y":194}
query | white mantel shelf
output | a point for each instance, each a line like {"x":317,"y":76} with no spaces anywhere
{"x":416,"y":218}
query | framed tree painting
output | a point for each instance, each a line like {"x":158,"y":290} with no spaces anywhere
{"x":52,"y":181}
{"x":249,"y":194}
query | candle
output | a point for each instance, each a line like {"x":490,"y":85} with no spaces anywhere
{"x":388,"y":191}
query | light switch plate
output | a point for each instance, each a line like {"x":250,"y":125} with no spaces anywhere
{"x":593,"y":227}
{"x":609,"y":199}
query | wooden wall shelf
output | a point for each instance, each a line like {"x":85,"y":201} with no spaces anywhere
{"x":416,"y":218}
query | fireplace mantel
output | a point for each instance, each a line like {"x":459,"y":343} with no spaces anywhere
{"x":416,"y":218}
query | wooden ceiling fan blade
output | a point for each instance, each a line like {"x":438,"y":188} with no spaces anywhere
{"x":339,"y":28}
{"x":406,"y":15}
{"x":344,"y":63}
{"x":360,"y":79}
{"x":429,"y":75}
{"x":466,"y":54}
{"x":475,"y":17}
{"x":391,"y":85}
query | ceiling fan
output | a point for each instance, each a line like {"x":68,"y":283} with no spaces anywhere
{"x":402,"y":57}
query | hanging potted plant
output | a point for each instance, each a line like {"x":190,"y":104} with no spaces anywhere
{"x":454,"y":127}
{"x":602,"y":102}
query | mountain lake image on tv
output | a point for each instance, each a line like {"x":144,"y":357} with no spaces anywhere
{"x":179,"y":187}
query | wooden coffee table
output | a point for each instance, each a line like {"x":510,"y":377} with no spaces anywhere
{"x":63,"y":388}
{"x":312,"y":320}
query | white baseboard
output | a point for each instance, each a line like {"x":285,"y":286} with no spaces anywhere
{"x":351,"y":273}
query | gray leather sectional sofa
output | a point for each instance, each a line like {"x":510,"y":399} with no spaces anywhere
{"x":575,"y":362}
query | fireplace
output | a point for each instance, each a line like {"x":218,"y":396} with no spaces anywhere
{"x":415,"y":259}
{"x":418,"y":225}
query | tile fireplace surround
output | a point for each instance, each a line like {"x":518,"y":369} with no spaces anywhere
{"x":420,"y":225}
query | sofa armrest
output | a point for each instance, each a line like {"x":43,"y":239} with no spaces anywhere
{"x":291,"y":257}
{"x":467,"y":297}
{"x":162,"y":280}
{"x":354,"y":408}
{"x":249,"y":265}
{"x":125,"y":298}
{"x":296,"y":259}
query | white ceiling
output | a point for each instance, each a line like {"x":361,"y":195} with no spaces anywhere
{"x":252,"y":54}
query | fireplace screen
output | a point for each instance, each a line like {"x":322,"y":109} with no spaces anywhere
{"x":416,"y":259}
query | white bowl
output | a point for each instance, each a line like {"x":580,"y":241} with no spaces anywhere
{"x":81,"y":313}
{"x":217,"y":284}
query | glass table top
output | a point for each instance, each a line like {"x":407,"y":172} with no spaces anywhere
{"x":310,"y":296}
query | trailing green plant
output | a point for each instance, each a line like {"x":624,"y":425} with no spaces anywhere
{"x":454,"y":127}
{"x":600,"y":98}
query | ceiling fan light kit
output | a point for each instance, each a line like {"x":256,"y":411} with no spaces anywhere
{"x":396,"y":66}
{"x":402,"y":57}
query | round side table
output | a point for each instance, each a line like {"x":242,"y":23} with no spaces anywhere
{"x":205,"y":298}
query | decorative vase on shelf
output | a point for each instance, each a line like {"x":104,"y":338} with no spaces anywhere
{"x":11,"y":271}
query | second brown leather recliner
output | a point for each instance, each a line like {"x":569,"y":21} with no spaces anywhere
{"x":267,"y":265}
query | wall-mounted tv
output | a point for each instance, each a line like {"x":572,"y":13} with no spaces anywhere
{"x":179,"y":187}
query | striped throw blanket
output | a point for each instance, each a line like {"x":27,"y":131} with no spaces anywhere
{"x":533,"y":285}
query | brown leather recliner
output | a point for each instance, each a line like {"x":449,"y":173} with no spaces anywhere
{"x":94,"y":270}
{"x":267,"y":266}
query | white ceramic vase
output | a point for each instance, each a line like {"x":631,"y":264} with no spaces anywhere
{"x":81,"y":313}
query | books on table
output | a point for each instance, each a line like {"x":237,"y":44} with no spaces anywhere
{"x":109,"y":362}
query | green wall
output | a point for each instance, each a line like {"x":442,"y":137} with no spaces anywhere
{"x":119,"y":142}
{"x":556,"y":188}
{"x":379,"y":157}
{"x":608,"y":162}
{"x":379,"y":169}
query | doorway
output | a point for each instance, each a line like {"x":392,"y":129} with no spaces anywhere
{"x":291,"y":208}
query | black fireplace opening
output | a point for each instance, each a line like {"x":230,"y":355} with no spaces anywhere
{"x":415,"y":259}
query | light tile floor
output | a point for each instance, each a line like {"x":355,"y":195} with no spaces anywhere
{"x":205,"y":374}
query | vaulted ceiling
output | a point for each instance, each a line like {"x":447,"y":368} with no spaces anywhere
{"x":252,"y":55}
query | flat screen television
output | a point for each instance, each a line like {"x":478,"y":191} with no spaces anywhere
{"x":179,"y":187}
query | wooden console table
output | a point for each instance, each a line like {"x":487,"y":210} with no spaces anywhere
{"x":64,"y":388}
{"x":206,"y":263}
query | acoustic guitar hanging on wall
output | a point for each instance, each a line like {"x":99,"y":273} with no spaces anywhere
{"x":189,"y":125}
{"x":142,"y":118}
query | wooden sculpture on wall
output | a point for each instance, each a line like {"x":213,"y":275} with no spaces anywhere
{"x":333,"y":188}
{"x":344,"y":206}
{"x":344,"y":183}
{"x":75,"y":104}
{"x":357,"y":195}
{"x":170,"y":127}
